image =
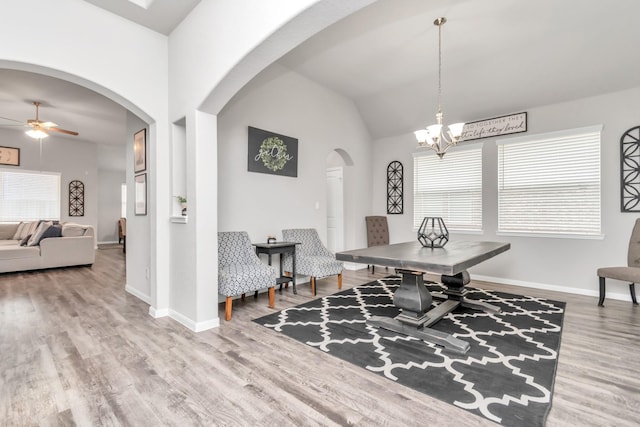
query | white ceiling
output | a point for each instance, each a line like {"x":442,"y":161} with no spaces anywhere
{"x":499,"y":57}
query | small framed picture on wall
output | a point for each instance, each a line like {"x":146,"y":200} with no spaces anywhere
{"x":10,"y":156}
{"x":141,"y":194}
{"x":140,"y":151}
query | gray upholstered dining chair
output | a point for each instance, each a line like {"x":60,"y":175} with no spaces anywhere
{"x":240,"y":270}
{"x":313,"y":259}
{"x":377,"y":233}
{"x":630,"y":273}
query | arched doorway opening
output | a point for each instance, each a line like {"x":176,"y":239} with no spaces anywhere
{"x":336,"y":161}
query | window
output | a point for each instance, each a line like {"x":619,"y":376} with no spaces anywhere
{"x":550,"y":183}
{"x":450,"y":188}
{"x":29,"y":196}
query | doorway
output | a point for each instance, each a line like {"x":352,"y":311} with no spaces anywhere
{"x":335,"y":209}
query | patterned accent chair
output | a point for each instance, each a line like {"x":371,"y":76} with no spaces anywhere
{"x":377,"y":233}
{"x":313,"y":259}
{"x":240,"y":270}
{"x":630,"y":273}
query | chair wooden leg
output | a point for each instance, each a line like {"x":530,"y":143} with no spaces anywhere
{"x":313,"y":286}
{"x":243,"y":296}
{"x":272,"y":297}
{"x":632,"y":289}
{"x":373,"y":269}
{"x":340,"y":281}
{"x":602,"y":292}
{"x":227,"y":308}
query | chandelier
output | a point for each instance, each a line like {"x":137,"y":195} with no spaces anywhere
{"x":433,"y":136}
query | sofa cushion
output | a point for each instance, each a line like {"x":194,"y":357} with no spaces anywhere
{"x":8,"y":230}
{"x":17,"y":252}
{"x":37,"y":235}
{"x":24,"y":229}
{"x":73,"y":230}
{"x":9,"y":242}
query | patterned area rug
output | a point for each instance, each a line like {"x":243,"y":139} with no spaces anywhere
{"x":507,"y":376}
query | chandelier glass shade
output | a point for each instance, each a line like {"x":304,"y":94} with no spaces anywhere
{"x":435,"y":136}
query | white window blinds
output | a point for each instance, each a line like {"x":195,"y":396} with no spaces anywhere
{"x":550,"y":183}
{"x":450,"y":188}
{"x":29,"y":196}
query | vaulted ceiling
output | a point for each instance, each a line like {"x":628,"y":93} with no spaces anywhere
{"x":499,"y":57}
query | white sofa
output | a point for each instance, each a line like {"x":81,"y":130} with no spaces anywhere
{"x":76,"y":247}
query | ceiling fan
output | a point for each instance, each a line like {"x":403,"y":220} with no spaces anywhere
{"x":39,"y":128}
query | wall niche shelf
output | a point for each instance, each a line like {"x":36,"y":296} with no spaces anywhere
{"x":179,"y":219}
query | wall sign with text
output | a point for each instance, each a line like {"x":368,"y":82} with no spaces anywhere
{"x":272,"y":153}
{"x":497,"y":126}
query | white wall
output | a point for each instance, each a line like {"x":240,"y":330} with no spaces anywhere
{"x":75,"y":160}
{"x":261,"y":204}
{"x":568,"y":264}
{"x":138,"y":226}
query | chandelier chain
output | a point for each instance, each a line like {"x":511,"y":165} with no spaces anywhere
{"x":440,"y":67}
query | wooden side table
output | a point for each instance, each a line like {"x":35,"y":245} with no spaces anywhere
{"x":280,"y":248}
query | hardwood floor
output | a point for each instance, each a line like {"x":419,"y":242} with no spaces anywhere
{"x":76,"y":349}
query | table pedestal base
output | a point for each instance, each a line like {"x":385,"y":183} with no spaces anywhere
{"x":416,"y":317}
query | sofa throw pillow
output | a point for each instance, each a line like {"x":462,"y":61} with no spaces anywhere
{"x":25,"y":228}
{"x":24,"y":241}
{"x":73,"y":230}
{"x":18,"y":233}
{"x":37,"y":235}
{"x":53,"y":231}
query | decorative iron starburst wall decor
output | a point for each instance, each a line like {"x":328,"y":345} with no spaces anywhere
{"x":395,"y":188}
{"x":76,"y":198}
{"x":630,"y":170}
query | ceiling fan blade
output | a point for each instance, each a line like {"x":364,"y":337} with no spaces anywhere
{"x":69,"y":132}
{"x":12,"y":120}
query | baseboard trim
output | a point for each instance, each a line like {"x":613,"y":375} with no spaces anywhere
{"x":547,"y":287}
{"x":194,"y":326}
{"x":184,"y":320}
{"x":110,"y":242}
{"x":158,"y":313}
{"x":136,"y":293}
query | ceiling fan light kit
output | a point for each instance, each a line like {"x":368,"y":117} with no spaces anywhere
{"x":432,"y":136}
{"x":37,"y":133}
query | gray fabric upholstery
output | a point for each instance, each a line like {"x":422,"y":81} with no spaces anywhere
{"x":626,"y":274}
{"x":312,"y":258}
{"x":377,"y":230}
{"x":630,"y":273}
{"x":633,"y":256}
{"x":239,"y":268}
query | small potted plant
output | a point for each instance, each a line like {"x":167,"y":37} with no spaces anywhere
{"x":183,"y":204}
